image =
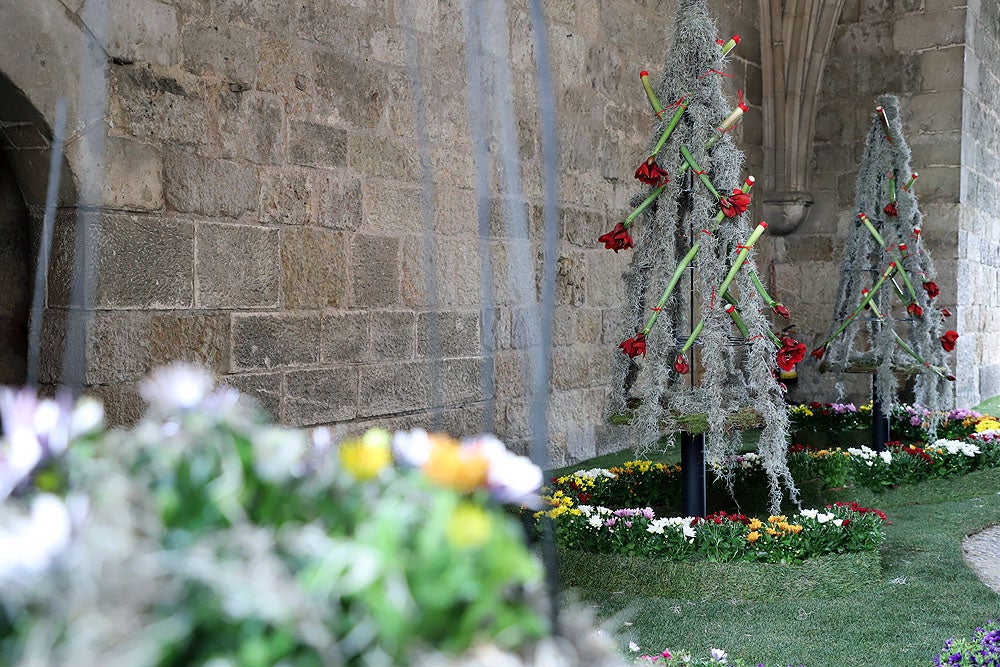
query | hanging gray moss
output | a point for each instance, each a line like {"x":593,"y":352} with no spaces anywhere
{"x":733,"y":374}
{"x":868,"y":342}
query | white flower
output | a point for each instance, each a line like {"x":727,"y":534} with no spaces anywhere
{"x":594,"y":473}
{"x":29,"y":545}
{"x":585,"y":509}
{"x":278,"y":454}
{"x":823,"y":518}
{"x":838,"y":522}
{"x":811,"y":514}
{"x":595,"y":520}
{"x":87,"y":417}
{"x":177,"y":387}
{"x":720,"y":656}
{"x":411,"y":448}
{"x":632,"y":646}
{"x":510,"y":478}
{"x":886,"y":456}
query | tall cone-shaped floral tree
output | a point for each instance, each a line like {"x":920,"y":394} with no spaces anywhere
{"x":886,"y":318}
{"x":691,"y":224}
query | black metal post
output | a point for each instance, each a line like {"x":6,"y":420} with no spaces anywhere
{"x":880,"y":421}
{"x":694,"y":501}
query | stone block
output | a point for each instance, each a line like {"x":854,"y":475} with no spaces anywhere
{"x":913,"y":32}
{"x":143,"y":262}
{"x":375,"y":271}
{"x":578,"y":367}
{"x":314,"y":268}
{"x":940,"y":184}
{"x":270,"y":16}
{"x":604,"y":278}
{"x":581,"y":227}
{"x":123,"y":404}
{"x":941,"y":149}
{"x":132,"y":176}
{"x":385,"y":157}
{"x":316,"y":145}
{"x":332,"y":23}
{"x":237,"y":266}
{"x":589,"y":323}
{"x":391,"y":208}
{"x":457,"y":334}
{"x":387,"y":389}
{"x":262,"y":388}
{"x":118,"y":347}
{"x":863,"y":39}
{"x":462,"y":381}
{"x":144,"y":30}
{"x":194,"y":338}
{"x":466,"y":422}
{"x":455,"y":211}
{"x":156,"y":105}
{"x":345,"y":337}
{"x":571,"y":281}
{"x":265,"y":341}
{"x":348,"y":90}
{"x":208,"y":186}
{"x":338,"y":203}
{"x":942,"y":69}
{"x":227,"y":51}
{"x":323,"y":396}
{"x":250,"y":126}
{"x":392,"y":334}
{"x":285,"y":197}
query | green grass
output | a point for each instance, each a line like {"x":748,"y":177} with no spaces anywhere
{"x":991,"y":406}
{"x":925,"y":594}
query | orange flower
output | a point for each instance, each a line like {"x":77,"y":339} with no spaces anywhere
{"x":753,"y":536}
{"x":460,"y":468}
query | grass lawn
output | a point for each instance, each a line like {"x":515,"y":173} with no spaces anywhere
{"x":925,"y":595}
{"x":991,"y":406}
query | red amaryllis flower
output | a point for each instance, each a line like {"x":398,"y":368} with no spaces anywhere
{"x":945,"y":312}
{"x":617,"y":239}
{"x":791,"y":353}
{"x":651,"y":173}
{"x":635,"y":346}
{"x":681,"y":365}
{"x":931,"y":288}
{"x":915,"y":310}
{"x":819,"y":352}
{"x":948,"y":340}
{"x":891,"y":209}
{"x":781,"y":310}
{"x":735,"y":204}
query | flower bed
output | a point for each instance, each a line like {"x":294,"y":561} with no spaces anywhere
{"x":981,"y":648}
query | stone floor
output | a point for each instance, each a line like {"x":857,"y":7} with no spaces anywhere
{"x":982,"y":553}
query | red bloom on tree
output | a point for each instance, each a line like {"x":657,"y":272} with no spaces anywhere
{"x":819,"y":352}
{"x":781,"y":310}
{"x":617,"y":239}
{"x":735,"y":204}
{"x":945,"y":312}
{"x":890,"y":209}
{"x":681,"y":365}
{"x":635,"y":346}
{"x":915,"y":310}
{"x":651,"y":173}
{"x":931,"y":288}
{"x":791,"y":353}
{"x":948,"y":340}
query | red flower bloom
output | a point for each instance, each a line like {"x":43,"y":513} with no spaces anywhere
{"x":651,"y":173}
{"x":791,"y":353}
{"x":890,"y":209}
{"x":635,"y":346}
{"x":681,"y":365}
{"x":819,"y":352}
{"x":948,"y":340}
{"x":617,"y":239}
{"x":781,"y":310}
{"x":915,"y":310}
{"x":945,"y":312}
{"x":735,"y":204}
{"x":931,"y":288}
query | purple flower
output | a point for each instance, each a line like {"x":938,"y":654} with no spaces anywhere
{"x":915,"y":420}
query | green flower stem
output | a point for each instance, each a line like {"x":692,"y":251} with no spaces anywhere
{"x":648,"y":87}
{"x":892,"y":186}
{"x":871,"y":228}
{"x":864,"y":302}
{"x":909,"y":183}
{"x":734,"y":313}
{"x":643,"y":206}
{"x":771,"y":303}
{"x":681,"y":108}
{"x":674,"y":279}
{"x":909,"y":350}
{"x":693,"y":337}
{"x":742,"y":256}
{"x":704,"y":177}
{"x":906,"y":279}
{"x":730,"y":45}
{"x":898,"y":290}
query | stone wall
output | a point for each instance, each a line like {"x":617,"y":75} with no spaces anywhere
{"x":915,"y":49}
{"x":979,"y":229}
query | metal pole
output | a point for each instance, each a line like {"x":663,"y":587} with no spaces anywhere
{"x":880,"y":421}
{"x":694,"y":499}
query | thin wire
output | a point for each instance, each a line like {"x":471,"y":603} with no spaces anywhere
{"x":427,"y":214}
{"x":45,"y":244}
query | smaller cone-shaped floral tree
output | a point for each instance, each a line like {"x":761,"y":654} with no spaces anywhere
{"x":886,"y":317}
{"x":691,"y":223}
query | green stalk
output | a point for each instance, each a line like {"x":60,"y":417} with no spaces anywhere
{"x":871,"y":228}
{"x":906,"y":348}
{"x":771,"y":303}
{"x":737,"y":320}
{"x":681,"y":108}
{"x":693,"y":337}
{"x":892,"y":186}
{"x":698,"y":170}
{"x":674,"y":279}
{"x":643,"y":206}
{"x":730,"y":45}
{"x":906,"y":278}
{"x":864,"y":302}
{"x":742,"y":256}
{"x":909,"y":183}
{"x":650,"y":95}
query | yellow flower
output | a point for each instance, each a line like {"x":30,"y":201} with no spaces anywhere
{"x":776,"y":519}
{"x":366,"y":456}
{"x":468,"y":526}
{"x":772,"y":532}
{"x":753,"y":536}
{"x":451,"y":465}
{"x":795,"y":529}
{"x":755,"y":524}
{"x":987,"y":424}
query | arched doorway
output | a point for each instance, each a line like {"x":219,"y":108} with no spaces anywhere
{"x":15,"y":278}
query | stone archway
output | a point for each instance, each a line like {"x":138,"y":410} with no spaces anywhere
{"x":15,"y":276}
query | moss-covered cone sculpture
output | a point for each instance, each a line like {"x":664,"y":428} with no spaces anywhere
{"x":702,"y":230}
{"x":886,"y":318}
